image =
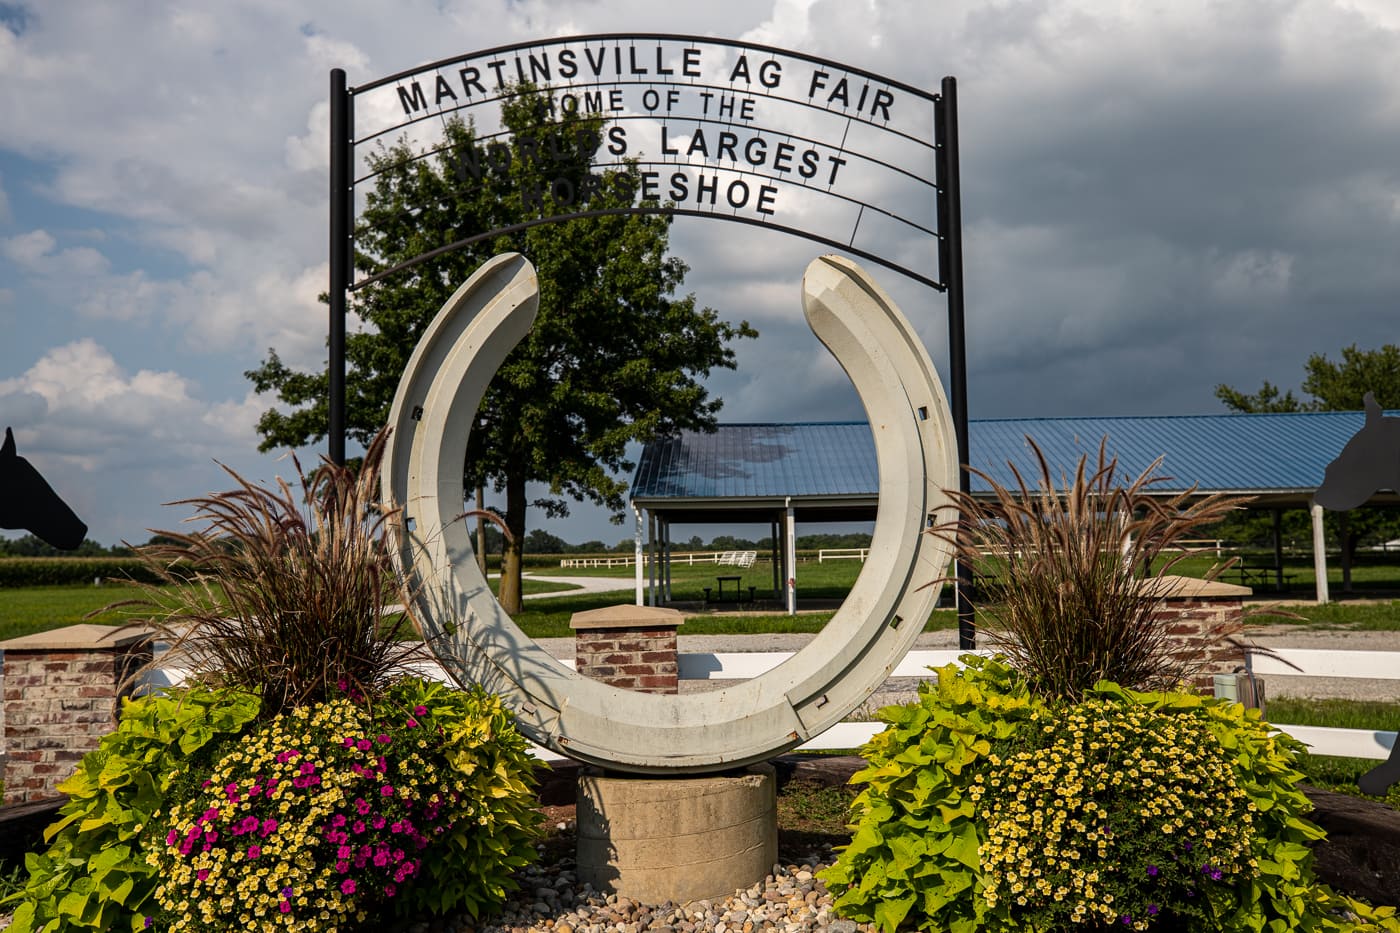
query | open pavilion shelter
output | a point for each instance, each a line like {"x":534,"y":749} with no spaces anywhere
{"x":789,"y":475}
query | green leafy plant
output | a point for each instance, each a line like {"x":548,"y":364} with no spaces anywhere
{"x":966,"y":788}
{"x":282,"y":594}
{"x":330,"y":812}
{"x":92,"y":876}
{"x":1062,"y":591}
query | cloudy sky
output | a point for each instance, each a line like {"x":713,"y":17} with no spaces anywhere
{"x":1158,"y":197}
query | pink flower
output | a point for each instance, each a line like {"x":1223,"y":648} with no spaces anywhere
{"x":170,"y":837}
{"x":347,"y":886}
{"x":308,"y":768}
{"x":269,"y":826}
{"x":420,"y":710}
{"x":386,"y":791}
{"x":390,"y":890}
{"x":358,"y":827}
{"x":383,"y":739}
{"x":202,"y":874}
{"x":338,"y":820}
{"x":254,"y":851}
{"x":285,"y":907}
{"x":349,"y":742}
{"x":378,"y":822}
{"x":411,"y":723}
{"x":362,"y":806}
{"x":342,"y":866}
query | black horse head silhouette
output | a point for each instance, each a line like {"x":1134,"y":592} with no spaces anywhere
{"x":1370,"y":461}
{"x":28,"y":502}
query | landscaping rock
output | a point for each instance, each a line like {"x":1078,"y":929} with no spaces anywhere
{"x":790,"y":900}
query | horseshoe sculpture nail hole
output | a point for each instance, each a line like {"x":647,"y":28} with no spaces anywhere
{"x":691,"y":732}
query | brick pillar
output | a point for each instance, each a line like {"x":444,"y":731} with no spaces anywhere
{"x":628,"y":646}
{"x":1197,"y":615}
{"x":61,"y":689}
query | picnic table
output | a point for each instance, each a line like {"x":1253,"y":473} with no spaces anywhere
{"x":1251,"y":575}
{"x":722,"y":579}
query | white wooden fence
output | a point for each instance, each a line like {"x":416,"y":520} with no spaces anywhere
{"x":733,"y":558}
{"x":842,"y":553}
{"x":1346,"y":743}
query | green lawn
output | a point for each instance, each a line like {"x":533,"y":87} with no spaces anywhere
{"x":1326,"y":771}
{"x":34,"y":609}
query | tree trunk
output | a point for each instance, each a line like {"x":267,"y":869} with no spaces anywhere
{"x":511,"y":597}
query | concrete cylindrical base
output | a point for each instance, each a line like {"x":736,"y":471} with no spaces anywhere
{"x":677,"y":839}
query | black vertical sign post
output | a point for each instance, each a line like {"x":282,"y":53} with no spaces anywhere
{"x":945,"y":138}
{"x":340,"y":208}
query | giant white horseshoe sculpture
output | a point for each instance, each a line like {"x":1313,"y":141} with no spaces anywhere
{"x":855,"y":652}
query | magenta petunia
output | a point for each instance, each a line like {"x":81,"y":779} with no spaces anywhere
{"x":420,"y":710}
{"x":386,"y":791}
{"x":347,"y":886}
{"x":254,"y":851}
{"x":285,"y":907}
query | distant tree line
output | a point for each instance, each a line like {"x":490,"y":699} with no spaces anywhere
{"x":30,"y":546}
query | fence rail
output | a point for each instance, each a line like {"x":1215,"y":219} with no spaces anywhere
{"x":744,"y":665}
{"x":689,"y":557}
{"x":842,"y":553}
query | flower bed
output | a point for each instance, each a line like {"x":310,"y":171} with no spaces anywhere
{"x":196,"y":815}
{"x":988,"y":808}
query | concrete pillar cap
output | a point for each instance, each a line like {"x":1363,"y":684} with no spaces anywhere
{"x":626,"y":616}
{"x":86,"y":636}
{"x":1171,"y":586}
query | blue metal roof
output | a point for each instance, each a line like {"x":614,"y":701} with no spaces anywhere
{"x":1260,"y":454}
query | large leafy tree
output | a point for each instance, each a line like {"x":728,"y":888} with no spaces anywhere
{"x":614,"y":356}
{"x":1334,"y":386}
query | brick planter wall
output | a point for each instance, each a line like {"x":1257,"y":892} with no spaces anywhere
{"x":1191,"y":610}
{"x":633,"y":647}
{"x":61,"y":689}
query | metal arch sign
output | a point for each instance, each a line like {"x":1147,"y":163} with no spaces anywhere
{"x":716,"y":128}
{"x":478,"y":642}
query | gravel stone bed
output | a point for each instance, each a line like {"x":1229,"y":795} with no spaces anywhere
{"x":790,"y":900}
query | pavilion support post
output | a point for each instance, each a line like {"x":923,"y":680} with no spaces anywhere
{"x":637,"y":551}
{"x":651,"y":558}
{"x":777,"y":561}
{"x":1278,"y":547}
{"x":665,"y":561}
{"x":1319,"y":540}
{"x":790,"y":526}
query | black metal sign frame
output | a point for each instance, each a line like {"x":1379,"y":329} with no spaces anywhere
{"x":848,"y":156}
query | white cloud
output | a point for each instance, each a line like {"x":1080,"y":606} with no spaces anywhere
{"x":117,"y":443}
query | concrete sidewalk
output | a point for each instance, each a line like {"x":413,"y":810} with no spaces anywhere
{"x":900,"y":688}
